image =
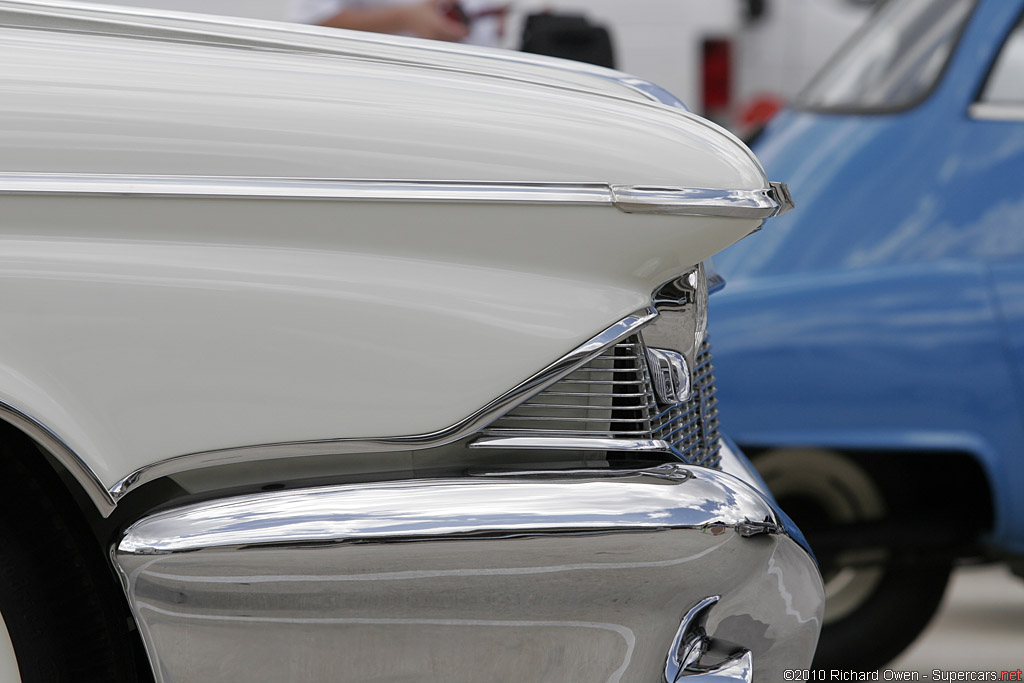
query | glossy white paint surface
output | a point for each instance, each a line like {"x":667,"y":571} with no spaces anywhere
{"x":102,"y":104}
{"x":9,"y":672}
{"x":139,"y":329}
{"x":204,"y":324}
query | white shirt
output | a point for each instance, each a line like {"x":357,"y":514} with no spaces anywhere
{"x":485,"y":31}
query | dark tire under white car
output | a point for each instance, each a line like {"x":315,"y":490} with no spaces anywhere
{"x":876,"y":603}
{"x":58,"y":599}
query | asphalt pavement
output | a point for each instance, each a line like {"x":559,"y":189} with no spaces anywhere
{"x":979,"y":628}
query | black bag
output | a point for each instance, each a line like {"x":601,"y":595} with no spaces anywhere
{"x":570,"y":36}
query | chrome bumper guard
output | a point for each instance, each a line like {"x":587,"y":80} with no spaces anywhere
{"x":673,"y":573}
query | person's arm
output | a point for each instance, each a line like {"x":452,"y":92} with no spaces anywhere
{"x":423,"y":19}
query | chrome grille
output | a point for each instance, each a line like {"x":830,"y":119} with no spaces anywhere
{"x":612,"y":397}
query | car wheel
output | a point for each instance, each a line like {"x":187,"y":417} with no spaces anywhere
{"x":58,"y":603}
{"x":874,"y":607}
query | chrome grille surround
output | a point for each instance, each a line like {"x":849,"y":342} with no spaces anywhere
{"x":609,"y":404}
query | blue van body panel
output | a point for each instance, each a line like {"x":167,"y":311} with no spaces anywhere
{"x":887,"y":310}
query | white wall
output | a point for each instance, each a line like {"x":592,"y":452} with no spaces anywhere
{"x":781,"y":53}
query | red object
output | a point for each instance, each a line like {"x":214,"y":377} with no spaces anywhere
{"x":759,"y":110}
{"x":456,"y":13}
{"x":717,"y":75}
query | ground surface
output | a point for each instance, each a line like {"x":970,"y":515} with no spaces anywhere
{"x":980,"y":627}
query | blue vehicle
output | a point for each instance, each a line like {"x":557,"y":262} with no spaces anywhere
{"x":870,"y":344}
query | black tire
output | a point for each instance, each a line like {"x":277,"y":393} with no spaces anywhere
{"x":874,"y":609}
{"x":888,"y":621}
{"x":60,"y":603}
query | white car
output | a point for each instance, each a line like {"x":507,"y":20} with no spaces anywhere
{"x":329,"y":356}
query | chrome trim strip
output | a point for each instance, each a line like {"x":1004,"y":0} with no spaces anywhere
{"x":687,"y":201}
{"x":63,"y":453}
{"x":570,"y":444}
{"x":994,"y":111}
{"x":781,"y":195}
{"x":752,"y":204}
{"x":241,"y":187}
{"x":466,"y":427}
{"x":343,"y":512}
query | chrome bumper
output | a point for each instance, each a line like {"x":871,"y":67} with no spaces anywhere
{"x":677,"y":573}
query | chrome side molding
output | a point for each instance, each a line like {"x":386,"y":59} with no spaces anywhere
{"x":544,"y":502}
{"x":752,"y":204}
{"x":339,"y":189}
{"x":583,"y":443}
{"x":369,"y":581}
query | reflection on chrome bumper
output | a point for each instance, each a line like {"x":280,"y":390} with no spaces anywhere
{"x":555,"y":576}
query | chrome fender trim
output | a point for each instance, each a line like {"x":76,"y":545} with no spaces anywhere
{"x":582,"y":575}
{"x":753,"y":204}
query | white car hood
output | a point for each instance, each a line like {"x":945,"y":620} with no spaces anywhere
{"x":233,"y":97}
